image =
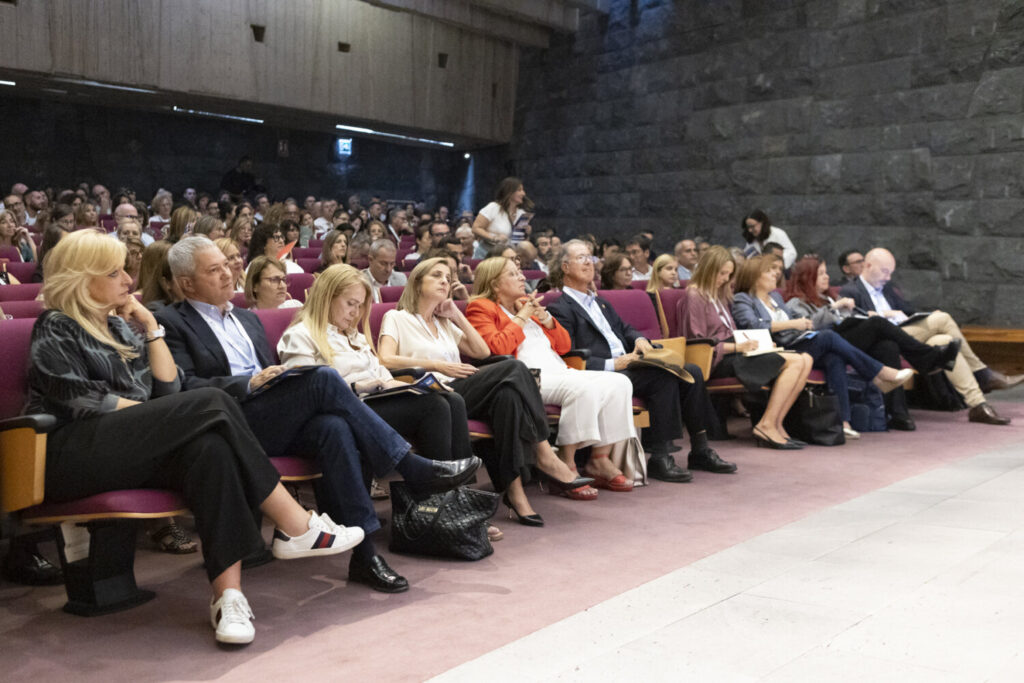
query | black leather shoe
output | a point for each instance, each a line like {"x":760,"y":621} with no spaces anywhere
{"x":707,"y":459}
{"x":664,"y":468}
{"x":948,"y":354}
{"x":902,"y":423}
{"x":31,"y":569}
{"x":448,"y":474}
{"x":986,"y":414}
{"x":377,"y":575}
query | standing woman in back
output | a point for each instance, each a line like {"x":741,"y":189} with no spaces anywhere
{"x":493,"y":225}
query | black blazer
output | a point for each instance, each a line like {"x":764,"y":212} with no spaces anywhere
{"x":199,"y":354}
{"x":858,"y":291}
{"x":584,"y":332}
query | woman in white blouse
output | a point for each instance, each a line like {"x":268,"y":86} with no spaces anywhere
{"x":333,"y":329}
{"x":428,"y":330}
{"x":494,"y":224}
{"x":597,"y":407}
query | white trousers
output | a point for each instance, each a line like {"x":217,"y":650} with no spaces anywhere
{"x":597,"y":407}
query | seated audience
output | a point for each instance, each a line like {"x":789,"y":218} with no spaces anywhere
{"x":376,"y":230}
{"x":306,"y":228}
{"x":459,"y":291}
{"x":593,"y":324}
{"x":16,"y":205}
{"x":266,"y":284}
{"x":124,"y":423}
{"x":268,"y":240}
{"x":11,"y":235}
{"x":665,"y":274}
{"x":706,"y":313}
{"x":872,"y":291}
{"x":807,"y":295}
{"x":687,"y":258}
{"x":133,"y":259}
{"x":156,"y":284}
{"x":87,"y":217}
{"x":311,"y":412}
{"x":464,"y":233}
{"x":758,"y":230}
{"x":212,"y":227}
{"x":638,"y":250}
{"x":183,"y":220}
{"x":241,"y":233}
{"x":597,"y":410}
{"x":617,"y":271}
{"x":333,"y":329}
{"x":757,"y":305}
{"x":424,"y":243}
{"x":333,"y":251}
{"x":161,"y":205}
{"x":429,"y":331}
{"x":851,"y":262}
{"x":381,"y":270}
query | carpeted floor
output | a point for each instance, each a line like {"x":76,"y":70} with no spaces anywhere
{"x":310,"y":623}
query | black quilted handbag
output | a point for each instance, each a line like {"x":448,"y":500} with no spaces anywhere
{"x":448,"y":524}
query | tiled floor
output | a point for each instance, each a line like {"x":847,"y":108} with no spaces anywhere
{"x":918,"y":581}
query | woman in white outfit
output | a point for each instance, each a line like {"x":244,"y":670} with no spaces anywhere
{"x":597,"y":408}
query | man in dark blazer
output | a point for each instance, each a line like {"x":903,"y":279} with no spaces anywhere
{"x":593,"y":324}
{"x":311,"y":412}
{"x":873,"y":291}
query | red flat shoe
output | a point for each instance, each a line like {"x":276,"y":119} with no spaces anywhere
{"x":617,"y":483}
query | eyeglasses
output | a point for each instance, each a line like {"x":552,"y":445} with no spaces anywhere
{"x":583,"y":259}
{"x":276,"y":281}
{"x":277,"y":237}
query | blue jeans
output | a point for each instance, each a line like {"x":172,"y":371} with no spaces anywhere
{"x":832,"y":354}
{"x":316,"y":415}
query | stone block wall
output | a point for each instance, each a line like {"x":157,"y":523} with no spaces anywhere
{"x":852,"y":123}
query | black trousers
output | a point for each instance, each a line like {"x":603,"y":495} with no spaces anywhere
{"x":505,"y":395}
{"x":886,"y":342}
{"x":194,"y":442}
{"x":672,"y":402}
{"x":434,"y":423}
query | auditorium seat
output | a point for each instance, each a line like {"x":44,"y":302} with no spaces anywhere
{"x":22,"y":292}
{"x":308,"y":264}
{"x":298,"y":283}
{"x":391,"y":293}
{"x":534,"y":274}
{"x":22,"y":309}
{"x":315,"y":244}
{"x":305,"y":252}
{"x":638,"y":284}
{"x":10,"y":254}
{"x":22,"y":271}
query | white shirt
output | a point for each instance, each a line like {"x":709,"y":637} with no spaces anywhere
{"x":500,"y":224}
{"x":323,"y":226}
{"x":353,"y":357}
{"x":684,"y":273}
{"x":881,"y":304}
{"x":415,"y":340}
{"x":588,"y":301}
{"x":535,"y":350}
{"x":646,"y":275}
{"x":396,"y":279}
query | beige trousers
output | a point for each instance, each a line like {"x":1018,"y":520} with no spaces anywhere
{"x":938,"y":329}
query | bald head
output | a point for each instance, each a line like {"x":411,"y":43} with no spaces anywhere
{"x":879,"y":265}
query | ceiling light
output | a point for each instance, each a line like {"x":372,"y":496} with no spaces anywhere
{"x":370,"y":131}
{"x":230,"y":117}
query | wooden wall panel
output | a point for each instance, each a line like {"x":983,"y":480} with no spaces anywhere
{"x":206,"y":47}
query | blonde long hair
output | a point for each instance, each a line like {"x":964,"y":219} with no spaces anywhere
{"x":704,"y":276}
{"x":410,"y":299}
{"x":70,"y":267}
{"x":653,"y":283}
{"x":316,"y":313}
{"x":486,"y":275}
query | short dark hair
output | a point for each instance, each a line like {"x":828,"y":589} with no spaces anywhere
{"x":771,"y":246}
{"x":433,"y":223}
{"x":844,"y":258}
{"x":640,"y":241}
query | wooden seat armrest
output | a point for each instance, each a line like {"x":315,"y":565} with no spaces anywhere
{"x":40,"y":422}
{"x":23,"y":460}
{"x":576,"y":358}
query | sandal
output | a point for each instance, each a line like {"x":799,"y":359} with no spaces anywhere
{"x":585,"y":492}
{"x":173,"y":539}
{"x":618,"y":483}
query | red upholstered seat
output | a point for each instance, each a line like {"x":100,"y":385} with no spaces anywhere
{"x":275,"y":322}
{"x":22,"y":292}
{"x":636,"y":309}
{"x":377,"y":312}
{"x":238,"y":299}
{"x":305,"y":252}
{"x":407,"y":242}
{"x":479,"y":430}
{"x":296,"y":469}
{"x":298,"y":283}
{"x":316,"y":244}
{"x":360,"y":263}
{"x":388,"y":294}
{"x":534,"y":274}
{"x":14,"y":340}
{"x":669,"y":300}
{"x":309,"y":264}
{"x":23,"y":309}
{"x":638,"y":284}
{"x":10,"y":254}
{"x":124,"y":503}
{"x":22,"y":271}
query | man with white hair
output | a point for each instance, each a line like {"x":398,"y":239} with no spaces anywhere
{"x":381,"y":271}
{"x":873,"y":291}
{"x":310,"y":413}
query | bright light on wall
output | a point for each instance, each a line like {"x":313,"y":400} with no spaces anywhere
{"x":370,"y":131}
{"x":343,"y":147}
{"x":10,"y":83}
{"x":230,"y":117}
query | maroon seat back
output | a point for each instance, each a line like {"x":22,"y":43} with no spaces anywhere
{"x":638,"y":284}
{"x":305,"y":252}
{"x":407,"y":242}
{"x":23,"y":309}
{"x":472,"y":262}
{"x":22,"y":271}
{"x":298,"y":283}
{"x":10,"y":254}
{"x":238,"y":299}
{"x":308,"y":264}
{"x":275,"y":322}
{"x":360,"y":263}
{"x":22,"y":292}
{"x":669,"y":299}
{"x":391,"y":293}
{"x":534,"y":274}
{"x":316,"y":244}
{"x":549,"y":296}
{"x":14,"y":340}
{"x":636,"y":309}
{"x":377,"y":312}
{"x":401,"y":254}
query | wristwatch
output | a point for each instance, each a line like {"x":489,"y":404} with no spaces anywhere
{"x":158,"y":333}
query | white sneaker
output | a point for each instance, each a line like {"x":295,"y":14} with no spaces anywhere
{"x":231,"y":616}
{"x":323,"y":538}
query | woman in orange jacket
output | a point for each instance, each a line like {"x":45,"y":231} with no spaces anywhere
{"x":597,"y":409}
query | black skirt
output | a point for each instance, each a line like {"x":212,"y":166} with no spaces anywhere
{"x":753,"y":372}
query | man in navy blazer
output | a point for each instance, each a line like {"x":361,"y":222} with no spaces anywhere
{"x":593,"y":324}
{"x":310,"y":414}
{"x":874,"y":291}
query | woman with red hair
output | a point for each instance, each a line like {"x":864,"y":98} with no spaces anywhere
{"x":807,"y":294}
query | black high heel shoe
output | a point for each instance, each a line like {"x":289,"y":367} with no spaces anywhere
{"x":525,"y":520}
{"x":562,"y":486}
{"x":762,"y":441}
{"x":798,"y":442}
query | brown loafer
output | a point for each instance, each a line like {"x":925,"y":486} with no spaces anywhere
{"x":986,"y":414}
{"x":1000,"y":381}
